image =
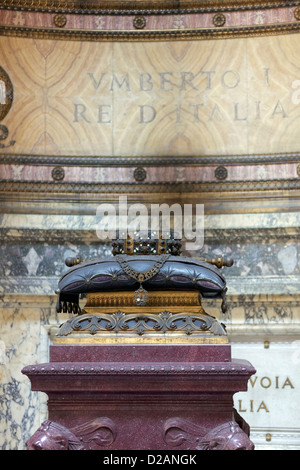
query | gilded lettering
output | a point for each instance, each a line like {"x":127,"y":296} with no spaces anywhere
{"x":253,"y":381}
{"x":265,"y":382}
{"x":263,"y":406}
{"x":287,"y":383}
{"x":241,"y":410}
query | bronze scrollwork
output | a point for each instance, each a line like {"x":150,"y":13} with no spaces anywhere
{"x":142,"y":324}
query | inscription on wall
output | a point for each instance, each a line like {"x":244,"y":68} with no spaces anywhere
{"x":197,"y":107}
{"x":181,"y":98}
{"x":270,"y":402}
{"x":263,"y":383}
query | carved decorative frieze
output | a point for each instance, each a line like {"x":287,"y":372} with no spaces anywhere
{"x":129,"y":6}
{"x":222,"y":370}
{"x":247,"y":18}
{"x":143,"y":324}
{"x":6,"y":94}
{"x":151,"y":188}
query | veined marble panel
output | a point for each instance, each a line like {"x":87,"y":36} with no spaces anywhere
{"x":152,"y":99}
{"x":23,"y":342}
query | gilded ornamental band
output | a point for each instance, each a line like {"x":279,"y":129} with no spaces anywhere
{"x":157,"y":6}
{"x":219,"y":20}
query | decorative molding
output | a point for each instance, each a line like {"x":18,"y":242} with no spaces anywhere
{"x":147,"y":35}
{"x":165,"y":187}
{"x":221,"y":173}
{"x":226,"y":369}
{"x":142,"y":7}
{"x":60,"y":21}
{"x":140,"y":174}
{"x":219,"y":19}
{"x":6,"y":95}
{"x":297,"y":13}
{"x":96,"y":161}
{"x":139,"y":22}
{"x":105,"y":300}
{"x":58,"y":173}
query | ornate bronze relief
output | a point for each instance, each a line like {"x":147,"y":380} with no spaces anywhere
{"x":58,"y":173}
{"x":143,"y":324}
{"x":140,"y":174}
{"x":6,"y":94}
{"x":6,"y":101}
{"x":297,"y":13}
{"x":219,"y":19}
{"x":60,"y":21}
{"x":205,"y":19}
{"x":139,"y":22}
{"x":221,"y":173}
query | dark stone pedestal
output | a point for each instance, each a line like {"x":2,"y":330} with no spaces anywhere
{"x":141,"y":397}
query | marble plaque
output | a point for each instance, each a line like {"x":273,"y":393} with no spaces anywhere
{"x":270,"y":406}
{"x":181,"y":98}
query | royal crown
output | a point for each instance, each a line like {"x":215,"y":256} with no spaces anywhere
{"x":151,"y":243}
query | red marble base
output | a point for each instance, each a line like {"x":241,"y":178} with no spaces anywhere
{"x":141,"y":397}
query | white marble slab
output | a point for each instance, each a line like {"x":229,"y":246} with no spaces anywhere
{"x":271,"y":404}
